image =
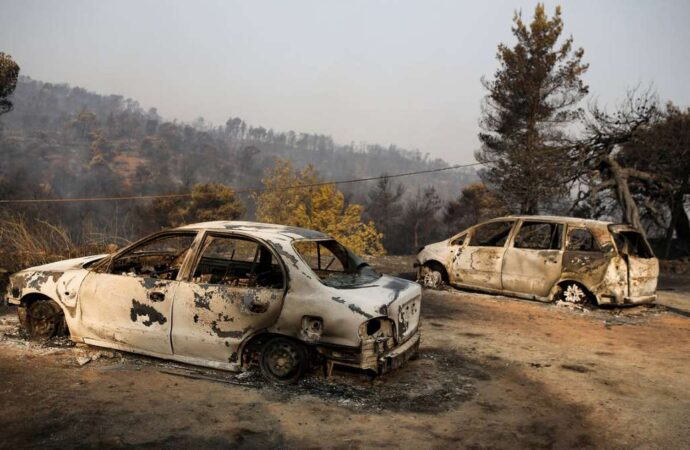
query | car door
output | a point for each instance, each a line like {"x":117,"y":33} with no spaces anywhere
{"x":532,"y":262}
{"x":584,"y":260}
{"x":479,"y":263}
{"x":127,"y":301}
{"x":235,"y":288}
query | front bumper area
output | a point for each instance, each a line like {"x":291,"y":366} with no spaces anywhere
{"x":400,"y":355}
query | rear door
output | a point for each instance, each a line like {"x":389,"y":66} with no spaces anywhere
{"x":642,"y":266}
{"x":532,"y":264}
{"x":236,"y":287}
{"x":479,"y":263}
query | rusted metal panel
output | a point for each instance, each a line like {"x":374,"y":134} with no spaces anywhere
{"x":531,"y":271}
{"x":211,"y":321}
{"x":479,"y":266}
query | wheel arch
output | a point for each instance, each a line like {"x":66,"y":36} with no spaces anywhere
{"x":29,"y":299}
{"x":437,"y":265}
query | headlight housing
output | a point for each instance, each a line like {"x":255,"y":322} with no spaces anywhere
{"x":380,"y":327}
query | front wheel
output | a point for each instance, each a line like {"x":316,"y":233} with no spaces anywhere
{"x":283,"y":360}
{"x":430,"y":277}
{"x":45,"y":320}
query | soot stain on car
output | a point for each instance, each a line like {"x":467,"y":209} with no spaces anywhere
{"x":144,"y":310}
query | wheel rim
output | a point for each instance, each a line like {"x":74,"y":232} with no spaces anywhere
{"x":282,"y":360}
{"x":574,"y":294}
{"x":432,"y":278}
{"x":42,"y":320}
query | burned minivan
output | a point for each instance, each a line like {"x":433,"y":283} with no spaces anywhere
{"x":228,"y":295}
{"x":546,"y":258}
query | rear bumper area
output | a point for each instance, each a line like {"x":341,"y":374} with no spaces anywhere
{"x":400,"y":355}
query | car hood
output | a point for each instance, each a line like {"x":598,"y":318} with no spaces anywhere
{"x":436,"y":251}
{"x":65,"y":264}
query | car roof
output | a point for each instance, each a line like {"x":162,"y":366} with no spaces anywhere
{"x":264,"y":229}
{"x":566,"y":219}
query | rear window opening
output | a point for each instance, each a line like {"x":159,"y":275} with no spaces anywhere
{"x":632,"y":243}
{"x":334,"y":264}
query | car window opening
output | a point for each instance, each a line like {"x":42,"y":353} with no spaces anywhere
{"x":492,"y":234}
{"x":160,"y":258}
{"x":539,"y":236}
{"x":334,"y":264}
{"x":233,"y":261}
{"x":632,"y":243}
{"x":581,"y":240}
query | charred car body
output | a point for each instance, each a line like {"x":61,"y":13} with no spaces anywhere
{"x":228,"y":295}
{"x":546,"y":258}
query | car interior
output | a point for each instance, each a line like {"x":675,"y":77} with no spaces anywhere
{"x":234,"y":261}
{"x":161,"y":258}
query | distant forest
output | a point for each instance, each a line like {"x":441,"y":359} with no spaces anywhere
{"x":67,"y":142}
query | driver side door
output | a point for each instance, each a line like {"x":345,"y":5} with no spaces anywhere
{"x":479,"y":264}
{"x":127,"y":303}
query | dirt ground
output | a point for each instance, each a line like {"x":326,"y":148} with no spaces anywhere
{"x":493,"y":372}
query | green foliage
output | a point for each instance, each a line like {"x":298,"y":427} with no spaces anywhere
{"x":9,"y":73}
{"x":531,"y":97}
{"x":208,"y":202}
{"x":322,"y":208}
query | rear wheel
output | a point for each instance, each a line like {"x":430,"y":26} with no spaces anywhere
{"x":283,"y":360}
{"x":573,"y":293}
{"x":45,"y":319}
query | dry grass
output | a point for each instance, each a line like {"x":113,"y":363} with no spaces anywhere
{"x":30,"y":242}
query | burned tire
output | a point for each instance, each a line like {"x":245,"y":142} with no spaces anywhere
{"x":45,"y":320}
{"x":283,"y":360}
{"x":431,"y":276}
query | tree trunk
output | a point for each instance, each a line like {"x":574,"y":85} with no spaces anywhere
{"x":631,"y":214}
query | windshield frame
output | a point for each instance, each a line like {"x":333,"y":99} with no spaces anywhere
{"x":354,"y":260}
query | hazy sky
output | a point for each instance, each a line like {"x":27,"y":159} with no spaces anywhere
{"x":388,"y":72}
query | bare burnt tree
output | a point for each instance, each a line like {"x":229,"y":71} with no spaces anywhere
{"x":663,"y":149}
{"x":532,"y":97}
{"x":603,"y":170}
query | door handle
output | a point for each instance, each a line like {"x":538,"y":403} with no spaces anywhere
{"x":156,"y":296}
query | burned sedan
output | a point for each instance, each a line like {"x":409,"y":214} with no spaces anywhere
{"x":546,"y":258}
{"x":228,"y":295}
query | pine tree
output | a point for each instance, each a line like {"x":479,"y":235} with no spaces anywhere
{"x":530,"y":100}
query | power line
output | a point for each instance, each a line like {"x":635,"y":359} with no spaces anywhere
{"x":243,"y":191}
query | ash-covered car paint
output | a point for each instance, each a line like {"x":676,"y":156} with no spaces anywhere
{"x":546,"y":258}
{"x":229,"y":295}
